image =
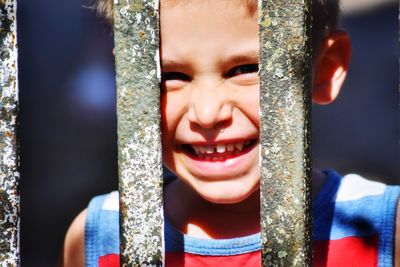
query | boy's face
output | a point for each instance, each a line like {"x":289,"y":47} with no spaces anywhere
{"x":210,"y":97}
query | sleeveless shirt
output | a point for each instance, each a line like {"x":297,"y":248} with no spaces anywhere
{"x":353,"y":225}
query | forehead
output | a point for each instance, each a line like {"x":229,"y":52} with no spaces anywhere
{"x":190,"y":26}
{"x":249,"y":6}
{"x":207,"y":8}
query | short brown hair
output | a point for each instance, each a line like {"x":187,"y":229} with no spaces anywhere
{"x":325,"y":20}
{"x":325,"y":15}
{"x":104,"y":9}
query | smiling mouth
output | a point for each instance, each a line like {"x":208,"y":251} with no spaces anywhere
{"x":218,"y":152}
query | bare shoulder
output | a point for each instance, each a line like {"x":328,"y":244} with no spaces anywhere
{"x":397,"y":244}
{"x":73,"y":253}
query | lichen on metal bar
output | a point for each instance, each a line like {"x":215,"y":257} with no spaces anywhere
{"x":285,"y":131}
{"x":136,"y":38}
{"x":9,"y":175}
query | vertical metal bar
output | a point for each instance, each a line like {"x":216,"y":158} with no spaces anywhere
{"x":285,"y":132}
{"x":9,"y":176}
{"x":140,"y":165}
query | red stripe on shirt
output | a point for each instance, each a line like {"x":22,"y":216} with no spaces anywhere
{"x":349,"y":251}
{"x":109,"y":260}
{"x":178,"y":259}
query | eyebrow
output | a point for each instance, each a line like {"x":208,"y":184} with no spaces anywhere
{"x":172,"y":64}
{"x":247,"y":57}
{"x":238,"y":58}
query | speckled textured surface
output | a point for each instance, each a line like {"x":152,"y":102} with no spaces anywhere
{"x":285,"y":109}
{"x":9,"y":175}
{"x":139,"y":152}
{"x":285,"y":123}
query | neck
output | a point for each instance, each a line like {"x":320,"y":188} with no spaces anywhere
{"x":189,"y":213}
{"x":200,"y":218}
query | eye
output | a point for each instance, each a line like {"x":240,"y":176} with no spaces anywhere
{"x":242,"y":69}
{"x":169,"y":76}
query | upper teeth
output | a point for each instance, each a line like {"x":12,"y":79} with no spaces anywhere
{"x":219,"y":148}
{"x":230,"y":147}
{"x":209,"y":149}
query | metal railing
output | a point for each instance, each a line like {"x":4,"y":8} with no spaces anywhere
{"x":285,"y":101}
{"x":9,"y":175}
{"x":139,"y":143}
{"x":285,"y":110}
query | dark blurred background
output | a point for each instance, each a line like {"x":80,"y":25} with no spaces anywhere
{"x":359,"y":132}
{"x":68,"y":119}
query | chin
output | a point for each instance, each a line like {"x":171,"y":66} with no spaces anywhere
{"x":223,"y":193}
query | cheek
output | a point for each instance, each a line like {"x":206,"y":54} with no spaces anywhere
{"x":170,"y":118}
{"x":250,"y":104}
{"x":173,"y":108}
{"x":255,"y":104}
{"x":166,"y":141}
{"x":165,"y":135}
{"x":163,"y":111}
{"x":169,"y":124}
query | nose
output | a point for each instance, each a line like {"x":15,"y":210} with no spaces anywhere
{"x":210,"y":105}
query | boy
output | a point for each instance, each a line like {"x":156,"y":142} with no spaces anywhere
{"x":210,"y":137}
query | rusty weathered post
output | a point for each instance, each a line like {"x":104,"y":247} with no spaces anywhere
{"x":285,"y":123}
{"x":139,"y":151}
{"x":285,"y":131}
{"x":9,"y":176}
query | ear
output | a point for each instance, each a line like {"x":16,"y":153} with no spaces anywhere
{"x":330,"y":67}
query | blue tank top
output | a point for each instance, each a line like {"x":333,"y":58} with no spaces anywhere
{"x":353,"y":225}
